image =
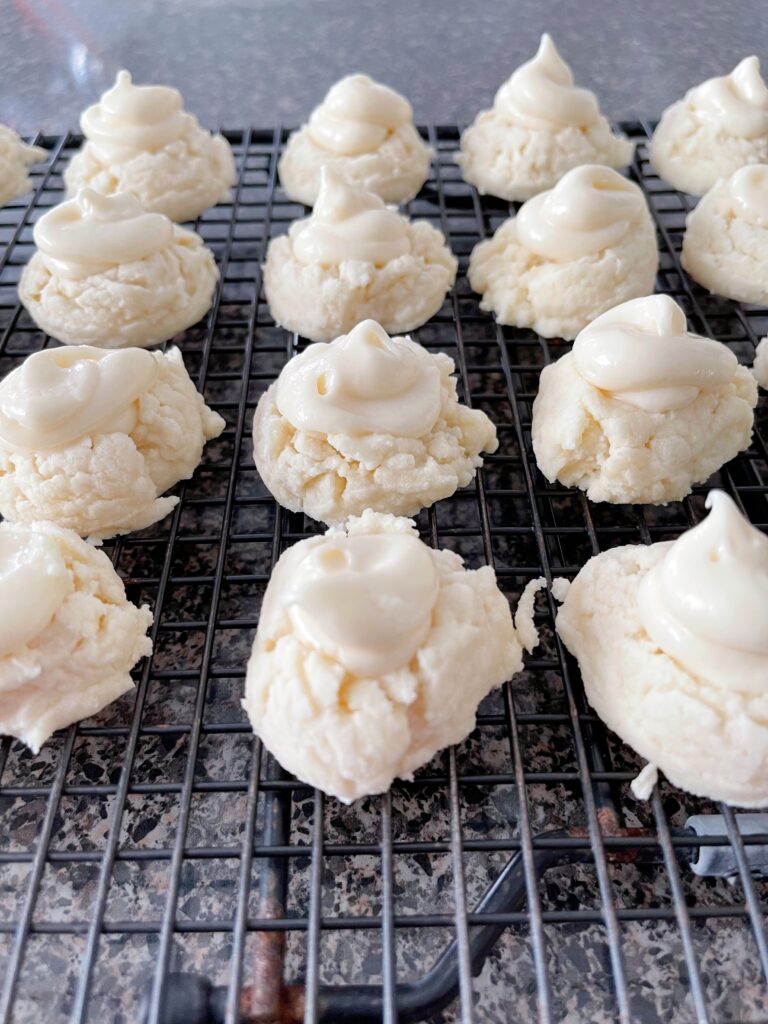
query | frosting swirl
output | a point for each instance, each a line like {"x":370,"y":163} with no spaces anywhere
{"x":348,"y":223}
{"x":541,"y":93}
{"x":706,"y":602}
{"x":365,"y":600}
{"x":362,"y":383}
{"x":641,"y":353}
{"x":131,"y":119}
{"x":59,"y":395}
{"x":589,"y":210}
{"x":749,"y":188}
{"x":738,"y":100}
{"x":91,"y":233}
{"x":357,"y":116}
{"x":34,"y":580}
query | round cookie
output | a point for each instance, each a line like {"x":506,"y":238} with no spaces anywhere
{"x":671,"y":643}
{"x":725,"y":246}
{"x":367,"y":421}
{"x":713,"y":130}
{"x":107,"y":273}
{"x":540,"y":126}
{"x":15,"y":158}
{"x":568,"y":255}
{"x":354,"y":259}
{"x":373,"y":652}
{"x":365,"y":131}
{"x":89,"y":439}
{"x":641,"y":410}
{"x":68,"y":636}
{"x":140,"y":140}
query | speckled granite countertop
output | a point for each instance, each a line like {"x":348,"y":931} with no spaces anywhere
{"x":262,"y":62}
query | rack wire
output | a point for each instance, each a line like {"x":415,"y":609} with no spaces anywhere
{"x":514,"y":878}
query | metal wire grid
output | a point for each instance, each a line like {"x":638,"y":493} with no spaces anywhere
{"x":160,"y":836}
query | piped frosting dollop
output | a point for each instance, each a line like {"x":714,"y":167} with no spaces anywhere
{"x":357,"y":116}
{"x":130,"y":119}
{"x":738,"y":100}
{"x":34,"y":581}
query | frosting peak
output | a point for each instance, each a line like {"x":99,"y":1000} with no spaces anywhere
{"x":92,"y":232}
{"x":362,"y":383}
{"x":641,"y":353}
{"x":59,"y":395}
{"x":541,"y":93}
{"x":706,"y":602}
{"x":749,"y":188}
{"x":739,"y":100}
{"x":348,"y":223}
{"x":34,"y":580}
{"x":130,"y":119}
{"x":365,"y":600}
{"x":357,"y":116}
{"x":590,"y":209}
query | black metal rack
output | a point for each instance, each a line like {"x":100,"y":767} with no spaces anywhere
{"x":160,"y":841}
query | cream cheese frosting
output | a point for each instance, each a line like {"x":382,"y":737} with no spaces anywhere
{"x":357,"y":116}
{"x":33,"y":583}
{"x":140,"y":140}
{"x":364,"y":600}
{"x":91,"y":233}
{"x":642,"y":353}
{"x":589,"y":210}
{"x":718,"y":126}
{"x":61,"y":394}
{"x":349,"y":224}
{"x":749,"y":188}
{"x":541,"y":93}
{"x":705,"y":603}
{"x":365,"y":130}
{"x":362,"y":383}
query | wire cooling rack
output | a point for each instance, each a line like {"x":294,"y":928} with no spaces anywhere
{"x":516,"y":878}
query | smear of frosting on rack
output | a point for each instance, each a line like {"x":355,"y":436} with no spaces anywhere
{"x":91,"y":233}
{"x":34,"y":580}
{"x":348,"y":223}
{"x":130,"y":119}
{"x":62,"y":394}
{"x":362,"y":383}
{"x":364,"y":600}
{"x":641,"y":353}
{"x":706,"y":602}
{"x":541,"y":93}
{"x":739,"y":100}
{"x":589,"y":210}
{"x":357,"y":116}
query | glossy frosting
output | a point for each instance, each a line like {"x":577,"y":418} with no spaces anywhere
{"x":348,"y":223}
{"x":62,"y":394}
{"x":749,"y":188}
{"x":641,"y":353}
{"x":34,"y":580}
{"x":738,"y":100}
{"x":590,"y":209}
{"x":706,"y":602}
{"x":130,"y":119}
{"x":362,"y":383}
{"x":91,"y":233}
{"x":541,"y":93}
{"x":365,"y":600}
{"x":357,"y":116}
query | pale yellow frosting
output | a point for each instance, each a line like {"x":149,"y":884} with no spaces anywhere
{"x":739,"y":100}
{"x":357,"y":116}
{"x":34,"y":580}
{"x":131,"y":119}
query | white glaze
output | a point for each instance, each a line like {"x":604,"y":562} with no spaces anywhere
{"x":131,"y":119}
{"x":541,"y":93}
{"x":589,"y":210}
{"x":348,"y":223}
{"x":739,"y":100}
{"x":357,"y":116}
{"x":641,"y":353}
{"x":34,"y":581}
{"x":362,"y":383}
{"x":59,"y":395}
{"x":706,"y":602}
{"x":749,"y":188}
